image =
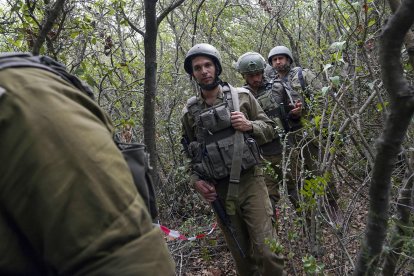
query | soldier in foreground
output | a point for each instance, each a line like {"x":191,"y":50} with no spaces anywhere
{"x":217,"y":122}
{"x":68,"y":204}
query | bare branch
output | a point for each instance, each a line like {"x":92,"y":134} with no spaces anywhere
{"x":132,"y":25}
{"x":168,"y":10}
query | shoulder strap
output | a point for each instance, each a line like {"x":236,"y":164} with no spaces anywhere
{"x":236,"y":162}
{"x":228,"y":95}
{"x":194,"y":108}
{"x":301,"y":79}
{"x":18,"y":60}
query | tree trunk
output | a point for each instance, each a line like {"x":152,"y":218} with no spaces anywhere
{"x":389,"y":144}
{"x":150,"y":89}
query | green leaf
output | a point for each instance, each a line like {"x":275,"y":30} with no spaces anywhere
{"x":371,"y":85}
{"x":379,"y":106}
{"x":90,"y":80}
{"x":335,"y":80}
{"x":337,"y":46}
{"x":74,"y":35}
{"x":325,"y":90}
{"x":371,"y":22}
{"x":317,"y":120}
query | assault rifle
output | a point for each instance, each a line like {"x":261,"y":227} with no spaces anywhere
{"x":221,"y":213}
{"x":224,"y":217}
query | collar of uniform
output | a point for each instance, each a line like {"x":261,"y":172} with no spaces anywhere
{"x":264,"y":86}
{"x":220,"y":97}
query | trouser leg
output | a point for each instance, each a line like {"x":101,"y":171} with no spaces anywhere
{"x":253,"y":226}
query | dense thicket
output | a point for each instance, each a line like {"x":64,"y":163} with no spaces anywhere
{"x":103,"y":43}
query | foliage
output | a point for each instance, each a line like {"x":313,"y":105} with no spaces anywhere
{"x":311,"y":266}
{"x":337,"y":39}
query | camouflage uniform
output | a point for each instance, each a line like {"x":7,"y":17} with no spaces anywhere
{"x":68,"y":204}
{"x":252,"y":220}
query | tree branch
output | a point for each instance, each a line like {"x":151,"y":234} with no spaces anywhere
{"x":132,"y":25}
{"x":168,"y":10}
{"x":51,"y":16}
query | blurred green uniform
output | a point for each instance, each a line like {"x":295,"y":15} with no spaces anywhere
{"x":273,"y":150}
{"x":252,"y":219}
{"x":308,"y":148}
{"x":68,"y":204}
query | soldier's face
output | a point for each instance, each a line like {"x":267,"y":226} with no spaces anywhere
{"x":204,"y":70}
{"x":254,"y":80}
{"x":280,"y":62}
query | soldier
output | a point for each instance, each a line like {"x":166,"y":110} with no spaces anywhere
{"x":213,"y":122}
{"x":251,"y":66}
{"x":68,"y":204}
{"x":304,"y":82}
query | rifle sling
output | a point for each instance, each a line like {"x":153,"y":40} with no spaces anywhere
{"x":233,"y":190}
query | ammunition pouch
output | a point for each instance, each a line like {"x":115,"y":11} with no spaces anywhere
{"x":217,"y":158}
{"x":195,"y":152}
{"x":216,"y":118}
{"x":213,"y":158}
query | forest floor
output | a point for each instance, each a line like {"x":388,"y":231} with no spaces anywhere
{"x":333,"y":253}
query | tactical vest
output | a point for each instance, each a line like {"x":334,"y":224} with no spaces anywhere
{"x":286,"y":98}
{"x":273,"y":110}
{"x":212,"y":152}
{"x":268,"y":102}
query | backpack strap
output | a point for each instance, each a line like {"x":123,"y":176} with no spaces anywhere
{"x":19,"y":60}
{"x":301,"y":79}
{"x":306,"y":92}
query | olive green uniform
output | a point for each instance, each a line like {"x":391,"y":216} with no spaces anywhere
{"x":300,"y":139}
{"x":273,"y":150}
{"x":252,"y":219}
{"x":68,"y":204}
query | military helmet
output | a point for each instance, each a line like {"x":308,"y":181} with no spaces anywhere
{"x":279,"y":50}
{"x":250,"y":62}
{"x":202,"y":49}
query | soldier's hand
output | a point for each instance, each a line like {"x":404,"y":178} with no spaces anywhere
{"x":207,"y":191}
{"x":240,"y":123}
{"x":296,"y":112}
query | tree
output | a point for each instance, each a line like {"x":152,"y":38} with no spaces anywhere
{"x":150,"y":90}
{"x":389,"y":144}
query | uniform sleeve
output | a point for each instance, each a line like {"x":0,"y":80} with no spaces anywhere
{"x":188,"y":136}
{"x":263,"y":127}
